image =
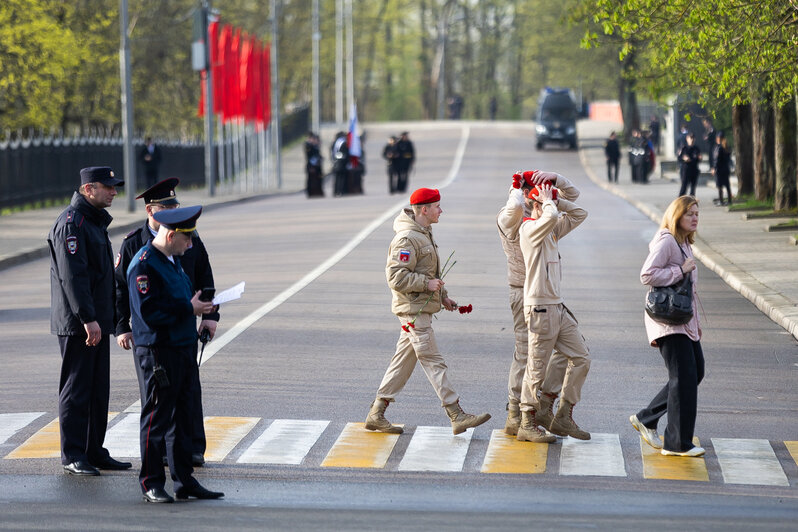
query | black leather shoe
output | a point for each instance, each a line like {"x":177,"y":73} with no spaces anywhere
{"x":81,"y":468}
{"x":197,"y":460}
{"x":113,"y":465}
{"x":198,"y":492}
{"x":158,"y":495}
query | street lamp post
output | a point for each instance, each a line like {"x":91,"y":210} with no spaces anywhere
{"x":127,"y":109}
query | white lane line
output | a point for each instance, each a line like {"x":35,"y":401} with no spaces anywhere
{"x":10,"y":424}
{"x":122,"y":440}
{"x":436,"y":449}
{"x":748,"y":461}
{"x":286,"y":441}
{"x":600,"y":456}
{"x":230,"y":335}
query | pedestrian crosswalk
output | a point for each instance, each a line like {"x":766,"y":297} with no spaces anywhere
{"x":252,"y":440}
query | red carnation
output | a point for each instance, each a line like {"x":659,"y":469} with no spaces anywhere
{"x":517,"y":180}
{"x":466,"y":309}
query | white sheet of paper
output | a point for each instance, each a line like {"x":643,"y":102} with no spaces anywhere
{"x":230,"y":294}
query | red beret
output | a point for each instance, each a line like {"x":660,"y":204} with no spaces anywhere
{"x":425,"y":195}
{"x":528,"y":177}
{"x":533,"y":194}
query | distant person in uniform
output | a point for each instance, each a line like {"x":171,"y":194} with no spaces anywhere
{"x":313,"y":162}
{"x":710,"y":134}
{"x":689,"y":157}
{"x":391,"y":154}
{"x":509,"y":222}
{"x":340,"y":159}
{"x":612,"y":153}
{"x":722,"y":168}
{"x":82,"y":316}
{"x":150,"y":158}
{"x":654,"y":127}
{"x":638,"y":156}
{"x":407,"y":156}
{"x":413,"y":273}
{"x":552,"y":326}
{"x":195,"y":264}
{"x":493,"y":107}
{"x":163,"y":306}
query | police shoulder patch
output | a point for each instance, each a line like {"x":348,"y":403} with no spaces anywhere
{"x":142,"y":284}
{"x":72,"y":244}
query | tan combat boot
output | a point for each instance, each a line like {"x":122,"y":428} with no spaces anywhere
{"x":376,"y":418}
{"x":462,"y":421}
{"x":513,"y":418}
{"x":545,"y":413}
{"x":564,"y":424}
{"x":529,"y":431}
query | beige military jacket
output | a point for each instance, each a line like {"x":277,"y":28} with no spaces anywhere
{"x":412,"y":262}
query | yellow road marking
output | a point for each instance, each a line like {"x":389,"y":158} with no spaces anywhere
{"x":672,"y":467}
{"x":45,"y":443}
{"x":358,"y":447}
{"x":222,"y":434}
{"x":507,"y":455}
{"x":792,"y":446}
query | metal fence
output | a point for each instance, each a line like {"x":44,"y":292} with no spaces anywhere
{"x":47,"y":168}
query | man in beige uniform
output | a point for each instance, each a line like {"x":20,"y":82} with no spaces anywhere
{"x":413,"y":272}
{"x":509,"y":222}
{"x":551,"y":325}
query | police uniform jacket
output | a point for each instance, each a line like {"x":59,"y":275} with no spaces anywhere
{"x":412,"y":262}
{"x":509,"y":223}
{"x":81,"y":270}
{"x":195,"y":264}
{"x":160,"y":300}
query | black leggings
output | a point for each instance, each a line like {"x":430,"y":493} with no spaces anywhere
{"x":684,"y":359}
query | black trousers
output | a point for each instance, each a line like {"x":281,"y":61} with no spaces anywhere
{"x":610,"y":165}
{"x":197,"y":419}
{"x":688,"y":179}
{"x":83,"y":394}
{"x":684,"y":359}
{"x":166,"y":416}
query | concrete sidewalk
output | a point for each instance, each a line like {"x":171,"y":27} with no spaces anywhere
{"x":762,"y":266}
{"x":23,"y":235}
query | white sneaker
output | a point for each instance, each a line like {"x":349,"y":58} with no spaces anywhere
{"x":692,"y":453}
{"x":649,"y":436}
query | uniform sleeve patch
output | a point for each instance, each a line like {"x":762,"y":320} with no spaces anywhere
{"x":143,"y":284}
{"x":72,"y":244}
{"x":118,"y":260}
{"x":404,"y":255}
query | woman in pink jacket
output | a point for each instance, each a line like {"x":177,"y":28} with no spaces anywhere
{"x":670,"y":258}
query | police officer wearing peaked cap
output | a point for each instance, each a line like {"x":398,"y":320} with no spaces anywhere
{"x":195,"y":264}
{"x":81,"y":315}
{"x":163,"y":307}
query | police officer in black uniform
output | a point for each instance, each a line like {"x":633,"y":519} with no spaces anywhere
{"x":195,"y":264}
{"x":406,"y":158}
{"x":163,"y":307}
{"x":82,"y":315}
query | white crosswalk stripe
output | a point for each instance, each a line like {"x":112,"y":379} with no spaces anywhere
{"x":10,"y":424}
{"x":122,"y":439}
{"x":745,"y":461}
{"x":436,"y":449}
{"x":600,"y":456}
{"x":285,"y":441}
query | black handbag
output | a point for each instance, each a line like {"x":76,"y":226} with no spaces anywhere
{"x":672,"y":305}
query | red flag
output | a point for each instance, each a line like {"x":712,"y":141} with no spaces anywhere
{"x":258,"y":85}
{"x":216,"y":66}
{"x":234,"y":94}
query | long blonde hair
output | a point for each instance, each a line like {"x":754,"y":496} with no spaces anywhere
{"x":674,"y":212}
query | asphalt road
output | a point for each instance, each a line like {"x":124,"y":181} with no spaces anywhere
{"x":321,"y":352}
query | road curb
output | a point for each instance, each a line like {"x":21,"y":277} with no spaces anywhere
{"x":39,"y":252}
{"x":771,"y":303}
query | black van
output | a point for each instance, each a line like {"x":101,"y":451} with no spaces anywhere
{"x":556,"y":118}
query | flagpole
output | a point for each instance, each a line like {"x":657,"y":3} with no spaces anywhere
{"x":276,"y":107}
{"x":315,"y":99}
{"x":339,"y":63}
{"x":350,"y":57}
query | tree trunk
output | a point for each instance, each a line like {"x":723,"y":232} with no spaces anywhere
{"x":762,"y":127}
{"x":743,"y":149}
{"x":628,"y":97}
{"x":785,"y":197}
